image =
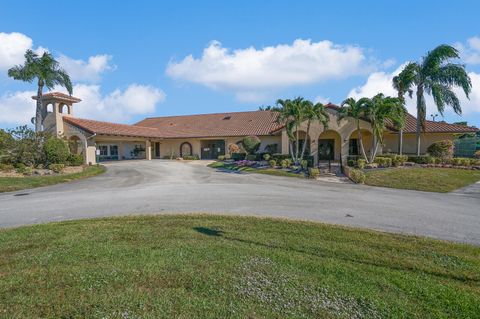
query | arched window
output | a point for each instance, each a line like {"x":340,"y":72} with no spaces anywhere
{"x":50,"y":108}
{"x":185,"y":149}
{"x":63,"y":108}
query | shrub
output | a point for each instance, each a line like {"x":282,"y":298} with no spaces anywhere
{"x":284,"y":164}
{"x":238,"y":156}
{"x":477,"y":154}
{"x":351,"y":163}
{"x":361,"y":163}
{"x":422,"y":159}
{"x":441,"y":149}
{"x":57,"y":168}
{"x":304,"y":164}
{"x":272,"y":163}
{"x":56,"y":151}
{"x":278,"y":157}
{"x":266,"y":156}
{"x":251,"y":157}
{"x":75,"y":159}
{"x":26,"y":147}
{"x":6,"y":167}
{"x":313,"y":172}
{"x":192,"y":157}
{"x":289,"y":162}
{"x":383,"y":161}
{"x":357,"y":176}
{"x":221,"y":157}
{"x":309,"y":159}
{"x":251,"y":144}
{"x":462,"y":161}
{"x":21,"y":168}
{"x":233,"y":148}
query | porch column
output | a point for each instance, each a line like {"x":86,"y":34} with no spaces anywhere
{"x":148,"y":150}
{"x":121,"y":150}
{"x":90,"y":153}
{"x":344,"y":142}
{"x":284,"y":142}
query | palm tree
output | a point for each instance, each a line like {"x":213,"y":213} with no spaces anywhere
{"x":437,"y":76}
{"x":313,"y":112}
{"x":291,"y":114}
{"x":47,"y":72}
{"x":356,"y":110}
{"x":402,"y":83}
{"x":378,"y":110}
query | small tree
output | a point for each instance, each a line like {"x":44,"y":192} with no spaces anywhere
{"x":27,"y":146}
{"x":251,"y":144}
{"x":6,"y":146}
{"x":56,"y":151}
{"x":441,"y":149}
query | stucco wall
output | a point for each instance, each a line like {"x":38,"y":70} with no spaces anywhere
{"x":410,"y":142}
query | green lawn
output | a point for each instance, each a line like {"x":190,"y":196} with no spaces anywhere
{"x":231,"y":267}
{"x":266,"y":171}
{"x":8,"y":184}
{"x":423,"y":179}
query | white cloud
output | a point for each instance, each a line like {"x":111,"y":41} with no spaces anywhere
{"x":321,"y":99}
{"x":17,"y":108}
{"x":12,"y":49}
{"x":250,"y":71}
{"x":118,"y":106}
{"x":87,"y":71}
{"x":381,"y":82}
{"x":470,"y":52}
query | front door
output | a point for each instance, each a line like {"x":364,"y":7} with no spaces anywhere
{"x":326,"y":149}
{"x":212,"y":149}
{"x":156,"y":149}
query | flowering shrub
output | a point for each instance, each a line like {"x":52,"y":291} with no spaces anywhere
{"x":233,"y":148}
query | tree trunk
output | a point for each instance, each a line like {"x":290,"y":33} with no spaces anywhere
{"x":297,"y":147}
{"x":360,"y":141}
{"x":39,"y":109}
{"x":374,"y":149}
{"x":420,"y":114}
{"x":304,"y":146}
{"x":400,"y":142}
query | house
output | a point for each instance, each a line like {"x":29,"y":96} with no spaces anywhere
{"x":208,"y":135}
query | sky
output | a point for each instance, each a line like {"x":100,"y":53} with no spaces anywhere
{"x":135,"y":59}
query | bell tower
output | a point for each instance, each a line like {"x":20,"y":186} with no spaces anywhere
{"x":55,"y":106}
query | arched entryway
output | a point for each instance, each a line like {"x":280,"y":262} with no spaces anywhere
{"x":185,"y":149}
{"x":329,"y":146}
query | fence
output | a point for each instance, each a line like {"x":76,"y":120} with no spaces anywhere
{"x":466,"y":147}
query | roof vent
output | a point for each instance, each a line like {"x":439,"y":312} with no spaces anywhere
{"x":227,"y":117}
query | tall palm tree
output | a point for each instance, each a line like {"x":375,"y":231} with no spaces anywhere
{"x":379,"y":109}
{"x":291,"y":114}
{"x":403,"y":83}
{"x":356,"y":110}
{"x":47,"y":72}
{"x":437,"y":76}
{"x":313,"y":112}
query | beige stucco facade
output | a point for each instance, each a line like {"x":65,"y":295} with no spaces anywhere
{"x":326,"y":143}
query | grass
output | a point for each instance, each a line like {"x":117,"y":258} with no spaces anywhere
{"x":195,"y":266}
{"x":9,"y":184}
{"x":246,"y":169}
{"x":423,"y":179}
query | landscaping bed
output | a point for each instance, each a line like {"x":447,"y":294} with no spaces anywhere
{"x":257,"y":167}
{"x":231,"y":267}
{"x":13,"y":180}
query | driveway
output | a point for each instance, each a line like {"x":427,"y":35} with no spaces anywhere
{"x":158,"y":186}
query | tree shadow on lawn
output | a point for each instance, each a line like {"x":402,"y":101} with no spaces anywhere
{"x":219,"y":233}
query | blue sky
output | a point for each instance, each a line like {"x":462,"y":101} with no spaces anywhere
{"x":256,"y":52}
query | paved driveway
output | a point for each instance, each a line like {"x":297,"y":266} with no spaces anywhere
{"x":139,"y":187}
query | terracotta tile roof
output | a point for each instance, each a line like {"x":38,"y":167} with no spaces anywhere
{"x":213,"y":125}
{"x":59,"y":96}
{"x":433,"y":127}
{"x":106,"y":128}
